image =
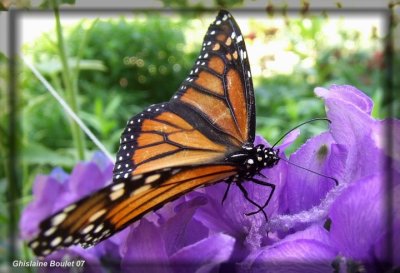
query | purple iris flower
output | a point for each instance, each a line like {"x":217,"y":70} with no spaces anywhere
{"x":313,"y":226}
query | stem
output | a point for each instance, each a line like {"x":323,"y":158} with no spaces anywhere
{"x":13,"y":192}
{"x":70,"y":89}
{"x":79,"y":54}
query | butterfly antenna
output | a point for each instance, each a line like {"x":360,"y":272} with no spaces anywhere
{"x":314,"y":172}
{"x":301,"y":124}
{"x":301,"y":167}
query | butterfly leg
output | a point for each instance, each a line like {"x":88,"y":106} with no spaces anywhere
{"x":263,"y":183}
{"x":229,"y":182}
{"x":246,"y":195}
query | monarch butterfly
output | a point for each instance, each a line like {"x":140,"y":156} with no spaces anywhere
{"x":203,"y":135}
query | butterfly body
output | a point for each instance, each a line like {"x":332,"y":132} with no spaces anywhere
{"x":252,"y":159}
{"x":205,"y":134}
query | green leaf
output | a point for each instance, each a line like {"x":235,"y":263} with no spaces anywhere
{"x":36,"y":153}
{"x":54,"y":66}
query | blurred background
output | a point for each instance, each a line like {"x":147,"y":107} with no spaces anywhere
{"x":109,"y":67}
{"x":121,"y":64}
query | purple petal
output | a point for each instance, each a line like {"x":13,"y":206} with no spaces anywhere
{"x":145,"y":250}
{"x":348,"y":94}
{"x":386,"y":137}
{"x":103,"y":162}
{"x":358,"y":218}
{"x":230,"y":217}
{"x":315,"y":232}
{"x":388,"y":254}
{"x":168,"y":210}
{"x":205,"y":255}
{"x":297,"y":256}
{"x":352,"y":127}
{"x":87,"y":259}
{"x":289,"y":139}
{"x":305,"y":189}
{"x":387,"y":248}
{"x":79,"y":182}
{"x":214,"y":215}
{"x":182,"y":229}
{"x":286,"y":141}
{"x":46,"y":190}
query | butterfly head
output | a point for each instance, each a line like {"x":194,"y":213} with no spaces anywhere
{"x":269,"y":155}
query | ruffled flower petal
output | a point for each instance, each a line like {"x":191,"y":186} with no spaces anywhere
{"x":293,"y":256}
{"x":204,"y":256}
{"x":358,"y":218}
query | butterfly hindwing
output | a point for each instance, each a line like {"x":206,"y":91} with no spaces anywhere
{"x":102,"y":214}
{"x":85,"y":221}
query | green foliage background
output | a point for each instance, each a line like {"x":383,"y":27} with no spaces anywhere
{"x":126,"y":65}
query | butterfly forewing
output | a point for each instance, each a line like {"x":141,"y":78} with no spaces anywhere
{"x":159,"y":138}
{"x":219,"y":86}
{"x":212,"y":114}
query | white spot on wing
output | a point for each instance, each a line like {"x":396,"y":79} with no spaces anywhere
{"x":116,"y":194}
{"x":87,"y":229}
{"x":97,"y":215}
{"x":56,"y":241}
{"x":50,"y":231}
{"x":117,"y":187}
{"x":152,"y":178}
{"x":35,"y":244}
{"x":98,"y":228}
{"x":137,"y":177}
{"x":68,"y":240}
{"x":58,"y":219}
{"x":69,"y":208}
{"x":141,"y":189}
